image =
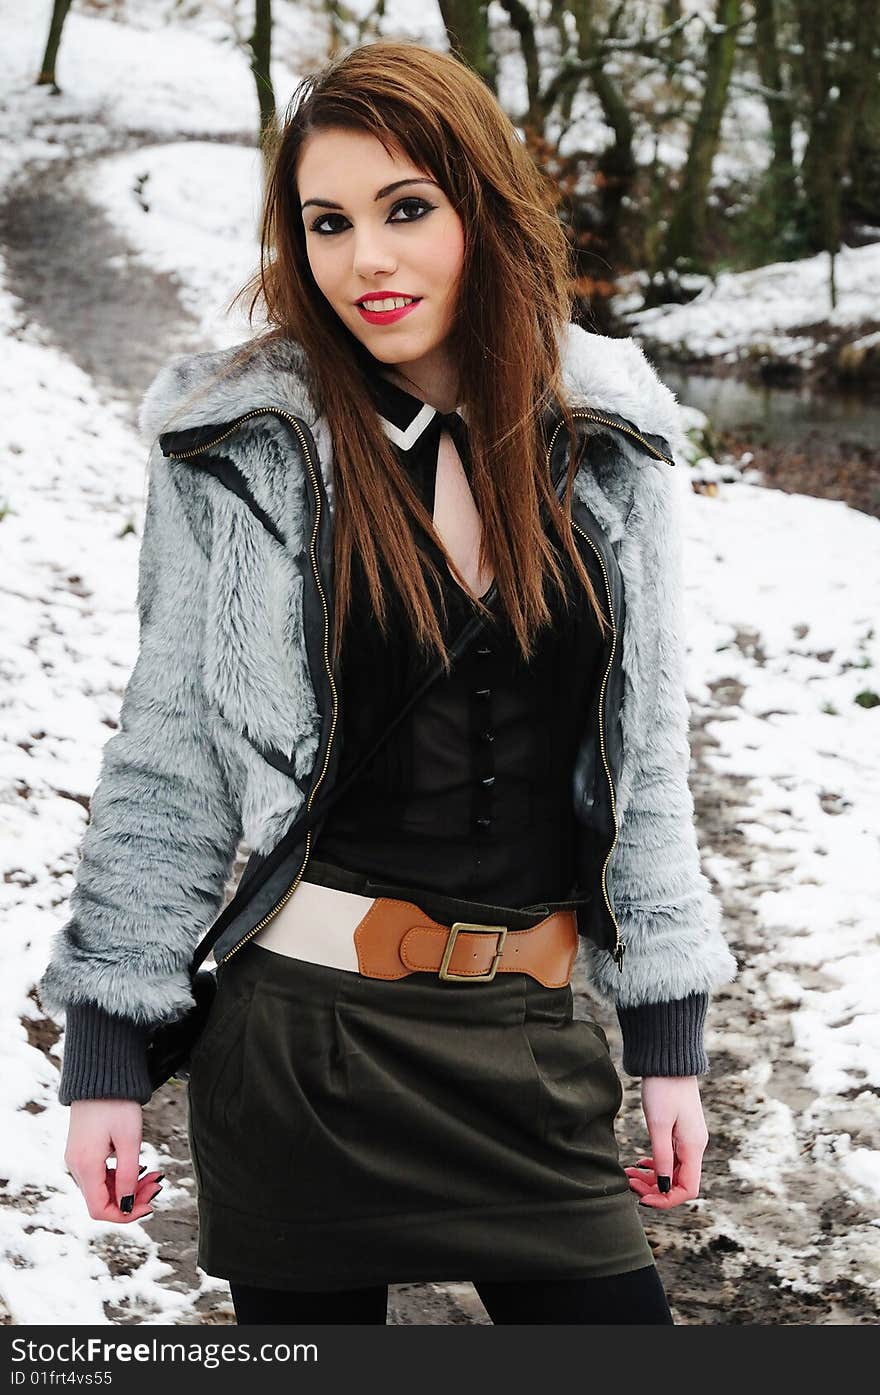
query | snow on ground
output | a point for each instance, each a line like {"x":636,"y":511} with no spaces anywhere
{"x":193,"y":209}
{"x":71,"y":489}
{"x":768,"y":310}
{"x":785,"y":598}
{"x":782,"y":597}
{"x":114,"y":79}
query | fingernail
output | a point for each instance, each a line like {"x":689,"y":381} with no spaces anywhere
{"x":127,"y":1203}
{"x":142,"y":1169}
{"x":160,"y":1177}
{"x":664,"y":1183}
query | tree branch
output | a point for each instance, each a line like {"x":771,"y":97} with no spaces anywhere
{"x":573,"y":69}
{"x":521,"y":21}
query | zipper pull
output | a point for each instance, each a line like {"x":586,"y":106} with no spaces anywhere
{"x":618,"y":954}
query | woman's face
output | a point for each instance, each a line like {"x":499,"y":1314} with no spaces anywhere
{"x":364,"y":239}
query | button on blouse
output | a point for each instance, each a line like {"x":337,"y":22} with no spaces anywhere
{"x":471,"y":796}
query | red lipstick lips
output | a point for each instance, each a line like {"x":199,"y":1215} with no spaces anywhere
{"x":386,"y":317}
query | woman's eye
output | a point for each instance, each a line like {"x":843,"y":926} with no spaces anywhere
{"x":316,"y":226}
{"x":420,"y":203}
{"x":401,"y":203}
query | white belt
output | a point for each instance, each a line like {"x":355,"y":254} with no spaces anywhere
{"x":317,"y":923}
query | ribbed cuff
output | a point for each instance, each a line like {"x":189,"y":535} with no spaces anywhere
{"x":104,"y":1057}
{"x":665,"y":1038}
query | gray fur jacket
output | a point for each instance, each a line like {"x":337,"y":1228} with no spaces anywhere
{"x":222,"y":679}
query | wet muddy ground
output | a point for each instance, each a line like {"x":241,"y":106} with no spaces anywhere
{"x":839,"y":469}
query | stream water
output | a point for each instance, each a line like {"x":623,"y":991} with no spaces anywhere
{"x":777,"y":416}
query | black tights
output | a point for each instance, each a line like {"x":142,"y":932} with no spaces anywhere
{"x":636,"y":1297}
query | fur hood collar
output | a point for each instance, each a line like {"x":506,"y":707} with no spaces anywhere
{"x":610,"y":375}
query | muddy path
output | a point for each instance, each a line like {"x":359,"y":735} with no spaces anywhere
{"x":782,"y":1246}
{"x":78,"y":280}
{"x":744,"y":1253}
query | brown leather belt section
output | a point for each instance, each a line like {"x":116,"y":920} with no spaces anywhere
{"x":396,"y":938}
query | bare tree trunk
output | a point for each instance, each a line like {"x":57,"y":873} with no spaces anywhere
{"x":46,"y":76}
{"x":675,"y":48}
{"x":859,"y":81}
{"x":781,"y":176}
{"x":838,"y":69}
{"x":616,"y":166}
{"x":685,"y":236}
{"x":340,"y":15}
{"x":260,"y":44}
{"x":819,"y":169}
{"x":557,"y":13}
{"x":862,"y":199}
{"x":467,"y":27}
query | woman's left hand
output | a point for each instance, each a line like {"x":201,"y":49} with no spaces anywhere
{"x":674,"y":1115}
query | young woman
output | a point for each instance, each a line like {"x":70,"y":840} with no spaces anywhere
{"x":420,"y":477}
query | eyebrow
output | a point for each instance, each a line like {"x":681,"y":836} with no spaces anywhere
{"x":383,"y":193}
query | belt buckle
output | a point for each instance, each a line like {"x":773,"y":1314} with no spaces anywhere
{"x":446,"y":973}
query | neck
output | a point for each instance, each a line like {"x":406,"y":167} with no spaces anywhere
{"x":436,"y":384}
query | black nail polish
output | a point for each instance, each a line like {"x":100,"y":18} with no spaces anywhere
{"x":127,"y":1203}
{"x":160,"y":1177}
{"x":664,"y":1183}
{"x":142,"y":1169}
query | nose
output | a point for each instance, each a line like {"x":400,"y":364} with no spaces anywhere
{"x":372,"y":255}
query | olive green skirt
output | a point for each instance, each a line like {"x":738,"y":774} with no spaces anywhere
{"x":348,"y":1131}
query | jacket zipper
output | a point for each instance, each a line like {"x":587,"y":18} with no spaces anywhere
{"x":607,"y":421}
{"x":313,"y":554}
{"x":620,"y":945}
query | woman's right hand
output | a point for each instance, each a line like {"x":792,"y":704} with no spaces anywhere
{"x":100,"y":1129}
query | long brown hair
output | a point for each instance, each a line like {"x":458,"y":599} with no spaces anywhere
{"x":514,"y":297}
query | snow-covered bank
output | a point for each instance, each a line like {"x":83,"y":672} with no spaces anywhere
{"x":780,"y":314}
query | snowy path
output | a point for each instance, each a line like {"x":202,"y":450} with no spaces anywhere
{"x":86,"y":301}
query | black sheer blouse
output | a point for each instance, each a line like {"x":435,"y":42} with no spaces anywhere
{"x":471,"y":796}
